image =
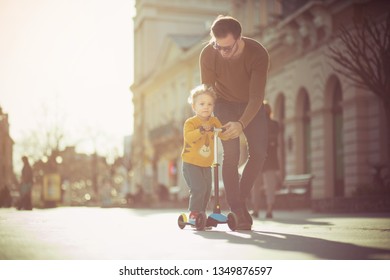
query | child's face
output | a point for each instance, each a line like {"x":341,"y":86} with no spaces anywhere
{"x":203,"y":106}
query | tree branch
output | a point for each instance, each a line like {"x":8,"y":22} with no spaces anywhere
{"x":363,"y":55}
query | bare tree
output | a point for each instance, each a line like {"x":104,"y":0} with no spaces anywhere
{"x":363,"y":57}
{"x":47,"y":137}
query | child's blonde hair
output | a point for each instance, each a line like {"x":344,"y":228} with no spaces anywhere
{"x":199,"y":90}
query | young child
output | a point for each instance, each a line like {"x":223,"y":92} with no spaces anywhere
{"x":198,"y":150}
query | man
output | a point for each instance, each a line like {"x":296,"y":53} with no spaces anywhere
{"x":237,"y":68}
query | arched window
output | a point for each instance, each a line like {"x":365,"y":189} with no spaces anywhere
{"x":333,"y":139}
{"x":306,"y":135}
{"x":338,"y":151}
{"x":303,"y":133}
{"x":279,"y":115}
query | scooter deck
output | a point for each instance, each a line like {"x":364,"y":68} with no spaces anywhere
{"x":219,"y":218}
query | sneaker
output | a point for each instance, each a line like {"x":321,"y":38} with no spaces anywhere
{"x":192,"y":217}
{"x":243,"y":223}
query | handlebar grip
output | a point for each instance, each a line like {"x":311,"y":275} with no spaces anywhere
{"x":220,"y":129}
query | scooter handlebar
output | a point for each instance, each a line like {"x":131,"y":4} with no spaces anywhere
{"x":219,"y":129}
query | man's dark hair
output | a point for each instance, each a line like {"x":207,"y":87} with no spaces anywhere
{"x":223,"y":25}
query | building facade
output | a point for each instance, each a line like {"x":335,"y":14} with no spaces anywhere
{"x":330,"y":128}
{"x":168,"y":38}
{"x":7,"y":177}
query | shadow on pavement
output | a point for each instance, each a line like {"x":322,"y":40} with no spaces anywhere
{"x":317,"y":247}
{"x":300,"y":221}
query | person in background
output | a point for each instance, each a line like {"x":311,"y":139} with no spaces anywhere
{"x":26,"y":186}
{"x":198,"y":149}
{"x":236,"y":67}
{"x":269,"y":179}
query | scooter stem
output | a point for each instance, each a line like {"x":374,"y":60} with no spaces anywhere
{"x":217,"y":208}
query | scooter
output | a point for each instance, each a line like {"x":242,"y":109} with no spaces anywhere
{"x":215,"y":218}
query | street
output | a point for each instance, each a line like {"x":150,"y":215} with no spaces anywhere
{"x":93,"y":233}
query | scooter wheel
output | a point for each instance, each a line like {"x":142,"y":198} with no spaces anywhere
{"x":182,"y":221}
{"x":200,"y":222}
{"x":232,"y":221}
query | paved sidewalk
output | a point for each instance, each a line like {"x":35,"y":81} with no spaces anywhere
{"x":121,"y":233}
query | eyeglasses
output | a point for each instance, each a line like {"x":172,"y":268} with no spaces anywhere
{"x":224,"y":49}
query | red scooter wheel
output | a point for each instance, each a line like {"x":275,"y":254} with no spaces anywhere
{"x":232,"y":221}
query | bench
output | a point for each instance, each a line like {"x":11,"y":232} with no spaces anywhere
{"x":296,"y":191}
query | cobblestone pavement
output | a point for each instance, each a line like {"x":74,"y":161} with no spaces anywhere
{"x":121,"y":233}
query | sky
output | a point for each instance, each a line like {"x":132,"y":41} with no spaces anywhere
{"x":68,"y":64}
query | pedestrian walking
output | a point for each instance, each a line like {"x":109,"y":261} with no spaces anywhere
{"x":26,"y":185}
{"x":269,"y":180}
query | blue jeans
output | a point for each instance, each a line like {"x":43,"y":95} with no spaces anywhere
{"x":198,"y":179}
{"x":256,"y":133}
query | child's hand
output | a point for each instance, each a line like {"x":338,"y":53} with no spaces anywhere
{"x":206,"y":127}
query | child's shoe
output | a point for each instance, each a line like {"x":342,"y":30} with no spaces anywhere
{"x":192,"y":217}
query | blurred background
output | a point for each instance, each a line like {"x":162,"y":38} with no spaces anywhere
{"x":95,"y":94}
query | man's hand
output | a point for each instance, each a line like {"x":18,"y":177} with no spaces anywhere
{"x":233,"y":130}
